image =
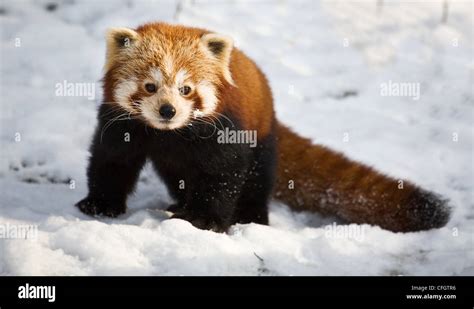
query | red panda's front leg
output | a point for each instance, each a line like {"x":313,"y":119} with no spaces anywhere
{"x":114,"y":167}
{"x":110,"y":182}
{"x":214,"y":183}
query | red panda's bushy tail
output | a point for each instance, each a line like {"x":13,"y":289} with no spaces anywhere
{"x":314,"y":178}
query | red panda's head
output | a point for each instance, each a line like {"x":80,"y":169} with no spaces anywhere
{"x":166,"y":75}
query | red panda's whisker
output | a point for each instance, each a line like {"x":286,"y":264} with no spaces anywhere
{"x":113,"y":110}
{"x":212,"y":123}
{"x":109,"y":123}
{"x":178,"y":131}
{"x":200,"y":120}
{"x":225,"y":117}
{"x":217,"y":118}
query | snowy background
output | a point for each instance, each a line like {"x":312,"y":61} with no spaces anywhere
{"x":326,"y":62}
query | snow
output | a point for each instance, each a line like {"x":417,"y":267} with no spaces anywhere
{"x":326,"y":62}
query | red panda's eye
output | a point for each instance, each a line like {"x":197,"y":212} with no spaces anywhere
{"x":151,"y":88}
{"x":185,"y":90}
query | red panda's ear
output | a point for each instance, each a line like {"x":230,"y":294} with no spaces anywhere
{"x":118,"y":41}
{"x":220,"y":47}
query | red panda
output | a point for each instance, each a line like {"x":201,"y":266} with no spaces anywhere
{"x":168,"y":89}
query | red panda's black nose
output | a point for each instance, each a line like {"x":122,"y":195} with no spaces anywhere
{"x":167,"y":111}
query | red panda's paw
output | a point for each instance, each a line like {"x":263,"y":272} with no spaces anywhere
{"x":203,"y":222}
{"x":99,"y":207}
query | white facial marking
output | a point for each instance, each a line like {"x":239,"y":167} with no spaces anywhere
{"x":207,"y":92}
{"x":198,"y":113}
{"x":181,"y":77}
{"x":149,"y":113}
{"x":157,"y":75}
{"x":123,"y":91}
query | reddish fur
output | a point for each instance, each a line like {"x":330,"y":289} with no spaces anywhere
{"x":324,"y":180}
{"x":251,"y":101}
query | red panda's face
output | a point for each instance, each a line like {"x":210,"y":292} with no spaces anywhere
{"x":167,"y":75}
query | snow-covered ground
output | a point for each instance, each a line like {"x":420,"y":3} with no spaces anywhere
{"x":327,"y":63}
